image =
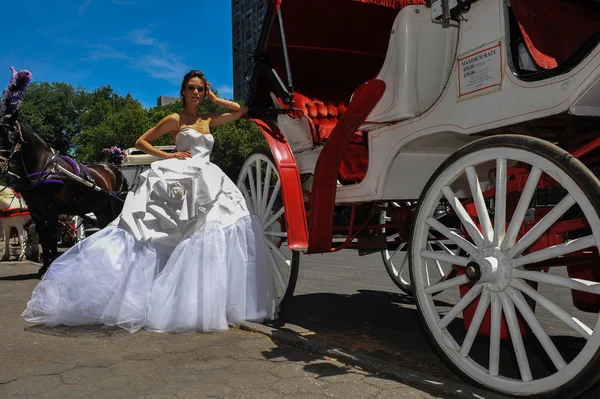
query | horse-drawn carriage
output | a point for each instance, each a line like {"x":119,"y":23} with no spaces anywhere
{"x":460,"y":139}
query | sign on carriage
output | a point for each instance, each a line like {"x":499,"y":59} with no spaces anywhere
{"x":480,"y":72}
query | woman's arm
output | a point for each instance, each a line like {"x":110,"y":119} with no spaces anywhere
{"x":168,"y":124}
{"x":235,"y":110}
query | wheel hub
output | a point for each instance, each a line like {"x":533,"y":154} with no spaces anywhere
{"x":495,"y":269}
{"x":473,"y":271}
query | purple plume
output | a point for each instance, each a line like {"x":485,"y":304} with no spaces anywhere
{"x":13,"y":95}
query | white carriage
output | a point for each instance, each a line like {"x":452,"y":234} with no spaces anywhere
{"x":463,"y":131}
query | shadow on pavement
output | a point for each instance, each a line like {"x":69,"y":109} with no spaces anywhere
{"x":380,"y":324}
{"x":20,"y":277}
{"x":386,"y":326}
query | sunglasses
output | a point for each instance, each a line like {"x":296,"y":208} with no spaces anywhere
{"x":201,"y":89}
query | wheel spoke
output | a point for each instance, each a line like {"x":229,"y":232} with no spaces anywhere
{"x":500,"y":202}
{"x":393,"y":237}
{"x":276,"y":268}
{"x":273,"y":219}
{"x":437,"y":263}
{"x":259,"y":187}
{"x":248,"y":200}
{"x":269,"y":206}
{"x":521,"y":210}
{"x":457,"y":260}
{"x":592,"y":287}
{"x":275,"y":234}
{"x":266,"y":186}
{"x":554,"y":309}
{"x":278,"y":252}
{"x":452,"y":236}
{"x":444,"y":247}
{"x":253,"y":190}
{"x":495,"y":325}
{"x":460,"y":306}
{"x":515,"y":336}
{"x":484,"y":303}
{"x":463,"y":216}
{"x":542,"y":226}
{"x":444,"y":285}
{"x":397,"y":251}
{"x":482,"y":212}
{"x":555,"y":251}
{"x":537,"y":329}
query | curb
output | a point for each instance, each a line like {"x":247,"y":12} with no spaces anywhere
{"x":415,"y":379}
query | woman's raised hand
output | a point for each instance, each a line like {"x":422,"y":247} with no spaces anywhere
{"x":209,"y":93}
{"x":180,"y":155}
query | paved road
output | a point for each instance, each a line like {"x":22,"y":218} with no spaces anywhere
{"x":102,"y":362}
{"x":349,"y":301}
{"x":341,"y":299}
{"x":99,"y":362}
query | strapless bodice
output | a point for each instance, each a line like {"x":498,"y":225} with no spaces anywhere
{"x":189,"y":139}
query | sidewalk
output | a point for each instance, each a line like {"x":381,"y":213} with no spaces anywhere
{"x":101,"y":362}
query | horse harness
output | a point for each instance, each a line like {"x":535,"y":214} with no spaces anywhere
{"x":52,"y":172}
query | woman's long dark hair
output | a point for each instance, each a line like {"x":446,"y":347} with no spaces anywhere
{"x":194,"y":73}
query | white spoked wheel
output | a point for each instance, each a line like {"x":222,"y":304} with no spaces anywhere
{"x":507,"y":321}
{"x":260,"y":184}
{"x":395,"y":259}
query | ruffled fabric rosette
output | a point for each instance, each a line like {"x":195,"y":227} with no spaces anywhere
{"x":170,"y":204}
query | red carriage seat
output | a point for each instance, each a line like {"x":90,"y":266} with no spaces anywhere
{"x":553,"y":30}
{"x":322,"y":119}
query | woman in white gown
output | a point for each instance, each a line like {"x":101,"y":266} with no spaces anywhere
{"x":184,"y":255}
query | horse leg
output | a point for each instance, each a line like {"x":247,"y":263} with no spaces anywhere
{"x":52,"y":225}
{"x":34,"y":242}
{"x":6,"y":229}
{"x":20,"y":231}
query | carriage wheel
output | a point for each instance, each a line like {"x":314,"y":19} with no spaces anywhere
{"x":517,"y":336}
{"x":394,"y":257}
{"x":260,"y":184}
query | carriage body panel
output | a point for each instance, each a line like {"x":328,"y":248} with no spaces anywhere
{"x":403,"y":155}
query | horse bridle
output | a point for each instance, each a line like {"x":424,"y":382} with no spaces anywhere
{"x":13,"y":131}
{"x":16,"y":139}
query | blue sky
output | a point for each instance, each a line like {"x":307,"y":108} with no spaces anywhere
{"x":142,"y":47}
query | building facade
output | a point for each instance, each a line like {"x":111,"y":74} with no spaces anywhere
{"x":164,"y":100}
{"x":246,"y":21}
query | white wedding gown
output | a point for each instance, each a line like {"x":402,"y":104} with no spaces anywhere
{"x":184,"y":255}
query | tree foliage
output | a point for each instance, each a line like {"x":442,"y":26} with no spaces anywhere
{"x":82,"y":123}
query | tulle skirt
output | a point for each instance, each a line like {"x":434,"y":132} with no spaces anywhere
{"x":217,"y":275}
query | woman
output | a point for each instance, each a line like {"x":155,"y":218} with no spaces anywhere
{"x":184,"y":255}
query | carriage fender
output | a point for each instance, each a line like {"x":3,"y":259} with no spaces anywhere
{"x":416,"y":161}
{"x":291,"y":186}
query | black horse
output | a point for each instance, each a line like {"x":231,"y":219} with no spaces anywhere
{"x":30,"y":166}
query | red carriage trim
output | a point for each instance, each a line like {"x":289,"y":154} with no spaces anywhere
{"x":322,"y":199}
{"x":291,"y":185}
{"x":13,"y":212}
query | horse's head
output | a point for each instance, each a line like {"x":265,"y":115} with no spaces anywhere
{"x":11,"y":135}
{"x":21,"y":150}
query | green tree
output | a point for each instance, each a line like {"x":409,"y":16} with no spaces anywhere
{"x":53,"y":110}
{"x":82,"y":123}
{"x":234,"y":142}
{"x":116,"y":122}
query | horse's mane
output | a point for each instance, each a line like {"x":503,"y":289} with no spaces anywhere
{"x":28,"y":133}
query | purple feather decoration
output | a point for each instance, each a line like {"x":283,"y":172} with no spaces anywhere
{"x":13,"y":95}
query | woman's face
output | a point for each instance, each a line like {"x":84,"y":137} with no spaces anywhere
{"x":194,"y":91}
